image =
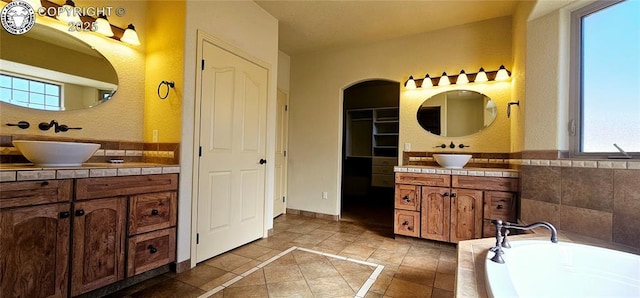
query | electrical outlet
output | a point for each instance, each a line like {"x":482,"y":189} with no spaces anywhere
{"x":325,"y":195}
{"x":155,"y":135}
{"x":407,"y":146}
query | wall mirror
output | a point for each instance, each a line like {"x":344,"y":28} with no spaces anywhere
{"x":48,"y":69}
{"x":456,"y":113}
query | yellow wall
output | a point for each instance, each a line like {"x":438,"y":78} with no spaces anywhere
{"x":120,"y":118}
{"x":318,"y":79}
{"x":165,"y":62}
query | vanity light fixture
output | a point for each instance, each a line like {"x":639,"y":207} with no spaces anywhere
{"x":410,"y":83}
{"x":67,"y":14}
{"x":105,"y":28}
{"x":481,"y":76}
{"x":462,"y":78}
{"x":444,"y":80}
{"x":103,"y":25}
{"x":130,"y":36}
{"x":501,"y":74}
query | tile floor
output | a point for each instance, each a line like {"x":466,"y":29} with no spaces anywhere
{"x":332,"y":259}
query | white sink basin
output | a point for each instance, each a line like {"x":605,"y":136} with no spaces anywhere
{"x":452,"y":161}
{"x":56,"y":154}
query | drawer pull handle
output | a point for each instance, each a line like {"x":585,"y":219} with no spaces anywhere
{"x":500,"y":207}
{"x":453,"y":195}
{"x":44,"y":183}
{"x":155,"y":212}
{"x":152,"y":249}
{"x":406,"y":199}
{"x":64,"y":214}
{"x":79,"y":212}
{"x":406,"y":223}
{"x":446,"y":194}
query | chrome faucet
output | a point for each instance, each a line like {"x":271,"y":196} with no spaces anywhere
{"x":501,"y":241}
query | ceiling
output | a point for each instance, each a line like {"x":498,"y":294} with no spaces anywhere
{"x":310,"y":25}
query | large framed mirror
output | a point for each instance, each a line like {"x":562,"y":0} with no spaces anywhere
{"x":456,"y":113}
{"x":48,"y":69}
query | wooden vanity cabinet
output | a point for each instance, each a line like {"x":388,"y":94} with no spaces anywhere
{"x":35,"y":221}
{"x":453,"y":208}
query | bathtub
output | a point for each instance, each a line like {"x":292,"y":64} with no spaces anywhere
{"x":536,"y":268}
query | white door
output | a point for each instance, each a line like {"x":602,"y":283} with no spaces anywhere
{"x":282,"y":120}
{"x":231,"y":173}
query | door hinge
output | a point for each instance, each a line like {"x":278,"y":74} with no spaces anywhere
{"x":285,"y":153}
{"x":202,"y":66}
{"x":286,"y":107}
{"x":283,"y":199}
{"x":200,"y":151}
{"x":197,"y":238}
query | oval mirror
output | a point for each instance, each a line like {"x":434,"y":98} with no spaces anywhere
{"x":48,"y":69}
{"x":456,"y":113}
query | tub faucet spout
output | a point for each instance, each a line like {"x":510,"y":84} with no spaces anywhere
{"x":552,"y":229}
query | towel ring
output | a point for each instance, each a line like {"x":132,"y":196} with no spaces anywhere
{"x":170,"y":84}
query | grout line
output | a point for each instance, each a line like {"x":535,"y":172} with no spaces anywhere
{"x":361,"y":292}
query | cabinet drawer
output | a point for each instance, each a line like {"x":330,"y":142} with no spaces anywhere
{"x":388,"y":170}
{"x":151,"y":250}
{"x":384,"y":161}
{"x":423,"y":179}
{"x":28,"y":193}
{"x":381,"y":180}
{"x":485,"y":183}
{"x":90,"y":188}
{"x":407,"y":197}
{"x":407,"y":223}
{"x":498,"y":205}
{"x":154,"y":211}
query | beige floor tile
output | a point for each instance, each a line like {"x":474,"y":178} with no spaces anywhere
{"x":302,"y":257}
{"x":416,"y":275}
{"x":200,"y":275}
{"x":446,"y":267}
{"x":218,"y":281}
{"x":298,"y":289}
{"x":445,"y":281}
{"x":251,"y":251}
{"x":170,"y":288}
{"x":253,"y":279}
{"x":278,"y":274}
{"x":357,"y":251}
{"x":440,"y":293}
{"x":356,"y":279}
{"x":318,"y":269}
{"x":386,"y":256}
{"x":382,"y":283}
{"x":401,"y":288}
{"x":257,"y":291}
{"x":344,"y":266}
{"x":330,"y":287}
{"x":426,"y":262}
{"x":228,"y":261}
{"x":244,"y":268}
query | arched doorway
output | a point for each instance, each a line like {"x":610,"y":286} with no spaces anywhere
{"x":369,"y":151}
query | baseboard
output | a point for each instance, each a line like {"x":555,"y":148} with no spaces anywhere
{"x":182,"y":266}
{"x":313,"y":214}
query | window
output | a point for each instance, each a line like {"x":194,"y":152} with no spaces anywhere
{"x":605,"y":94}
{"x":30,"y":93}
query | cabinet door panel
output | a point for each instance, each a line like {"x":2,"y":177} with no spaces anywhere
{"x":436,"y":212}
{"x":466,"y":214}
{"x":98,"y":244}
{"x":34,"y":251}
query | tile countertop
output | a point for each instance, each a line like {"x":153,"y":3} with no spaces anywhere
{"x":482,"y":172}
{"x":470,"y":274}
{"x":26,"y":172}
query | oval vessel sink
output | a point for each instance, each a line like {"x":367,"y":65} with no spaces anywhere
{"x":452,"y":161}
{"x":56,"y":154}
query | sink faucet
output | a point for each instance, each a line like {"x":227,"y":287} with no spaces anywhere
{"x":57,"y":127}
{"x":501,"y":241}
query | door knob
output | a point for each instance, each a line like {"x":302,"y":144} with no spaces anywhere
{"x":263,"y":161}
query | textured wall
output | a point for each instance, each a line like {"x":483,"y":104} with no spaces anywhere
{"x":319,"y":78}
{"x":120,"y":118}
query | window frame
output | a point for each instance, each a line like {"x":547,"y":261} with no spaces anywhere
{"x":575,"y":89}
{"x":38,"y":80}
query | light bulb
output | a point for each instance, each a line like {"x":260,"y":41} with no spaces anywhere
{"x":427,"y":81}
{"x":444,"y":80}
{"x":502,"y":74}
{"x":411,"y":83}
{"x":103,"y":26}
{"x":462,"y":78}
{"x":481,"y":76}
{"x":130,"y":36}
